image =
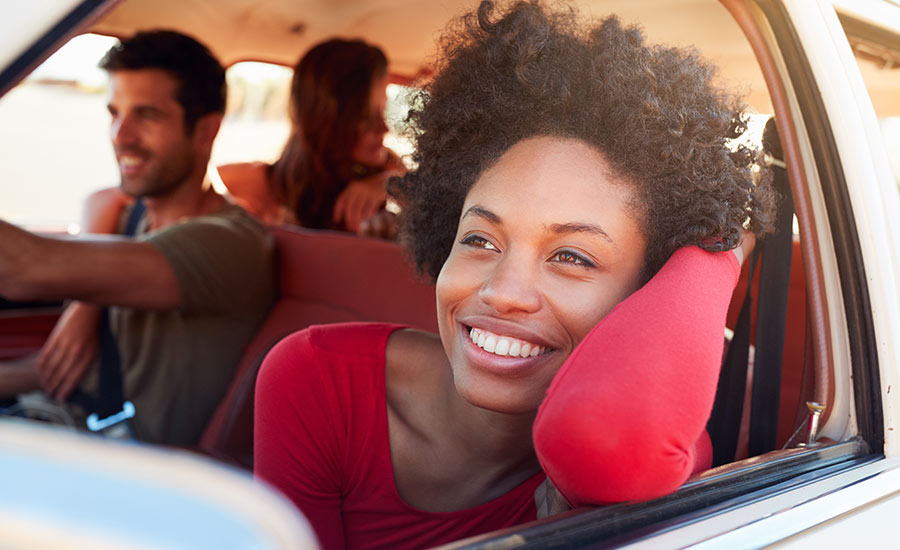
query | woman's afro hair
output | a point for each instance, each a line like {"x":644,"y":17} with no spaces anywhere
{"x":652,"y":111}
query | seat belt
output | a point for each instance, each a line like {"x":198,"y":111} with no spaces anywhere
{"x":724,"y":424}
{"x":111,"y":412}
{"x":725,"y":421}
{"x":771,"y":318}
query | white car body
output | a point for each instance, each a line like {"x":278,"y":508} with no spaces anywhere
{"x":829,"y":496}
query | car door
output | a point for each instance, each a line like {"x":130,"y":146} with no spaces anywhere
{"x":842,"y":490}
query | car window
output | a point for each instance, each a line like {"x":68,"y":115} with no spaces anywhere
{"x":53,"y":131}
{"x":51,"y":172}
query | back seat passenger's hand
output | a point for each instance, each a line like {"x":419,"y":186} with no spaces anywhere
{"x":360,"y":200}
{"x":382,"y":225}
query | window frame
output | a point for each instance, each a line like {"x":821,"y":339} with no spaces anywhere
{"x":816,"y":161}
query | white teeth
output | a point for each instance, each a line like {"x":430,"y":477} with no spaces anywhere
{"x":515,"y":348}
{"x":504,"y":345}
{"x":490,"y":344}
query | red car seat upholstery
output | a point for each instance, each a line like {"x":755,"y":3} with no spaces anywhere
{"x":322,"y":277}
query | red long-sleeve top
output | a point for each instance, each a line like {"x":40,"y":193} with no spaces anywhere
{"x":623,"y":419}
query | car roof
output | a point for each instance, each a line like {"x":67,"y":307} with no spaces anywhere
{"x":280,"y":31}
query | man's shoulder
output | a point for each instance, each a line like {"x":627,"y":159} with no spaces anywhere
{"x":218,"y":258}
{"x":231,"y":214}
{"x":229,"y":223}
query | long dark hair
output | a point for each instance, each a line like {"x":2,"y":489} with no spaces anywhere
{"x":329,"y":102}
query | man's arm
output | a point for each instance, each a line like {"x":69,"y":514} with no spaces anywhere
{"x":112,"y":271}
{"x":72,"y":346}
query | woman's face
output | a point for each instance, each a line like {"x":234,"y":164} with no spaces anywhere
{"x":547,"y":245}
{"x":369,"y":148}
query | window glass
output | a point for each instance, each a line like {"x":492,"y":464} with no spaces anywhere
{"x":55,"y":142}
{"x":256,"y":121}
{"x":53,"y":134}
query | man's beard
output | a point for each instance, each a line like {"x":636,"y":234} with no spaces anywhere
{"x":160,"y":178}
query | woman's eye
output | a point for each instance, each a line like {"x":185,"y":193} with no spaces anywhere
{"x":477,"y":241}
{"x":569,"y":257}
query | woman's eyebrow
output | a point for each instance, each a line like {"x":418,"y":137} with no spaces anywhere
{"x":482,"y":213}
{"x":581,"y":228}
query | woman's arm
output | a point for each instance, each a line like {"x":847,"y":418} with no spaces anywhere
{"x":625,"y":417}
{"x":248,"y":187}
{"x":103,"y":210}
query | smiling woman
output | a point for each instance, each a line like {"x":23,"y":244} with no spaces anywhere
{"x":566,"y":180}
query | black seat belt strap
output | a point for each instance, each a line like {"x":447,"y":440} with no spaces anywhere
{"x":774,"y":284}
{"x":111,"y":408}
{"x":725,"y":421}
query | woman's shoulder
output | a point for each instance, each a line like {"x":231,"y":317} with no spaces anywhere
{"x":245,"y":178}
{"x":103,"y":210}
{"x":248,"y":185}
{"x":334,"y":343}
{"x":311,"y":357}
{"x":255,"y":169}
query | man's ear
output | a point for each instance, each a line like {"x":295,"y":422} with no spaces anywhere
{"x":205,"y":130}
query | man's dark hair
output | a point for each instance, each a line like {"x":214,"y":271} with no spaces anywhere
{"x":652,"y":111}
{"x":201,"y":78}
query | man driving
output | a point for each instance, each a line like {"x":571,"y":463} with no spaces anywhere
{"x":182,"y":297}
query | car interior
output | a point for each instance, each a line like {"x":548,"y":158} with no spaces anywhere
{"x":801,"y":406}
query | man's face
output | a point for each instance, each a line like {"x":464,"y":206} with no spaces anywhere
{"x":154,"y":151}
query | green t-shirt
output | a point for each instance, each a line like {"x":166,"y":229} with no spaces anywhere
{"x":177,"y":365}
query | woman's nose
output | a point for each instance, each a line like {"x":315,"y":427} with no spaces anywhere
{"x":512,"y":286}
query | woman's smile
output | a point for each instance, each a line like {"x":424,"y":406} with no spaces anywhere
{"x":504,"y":346}
{"x":497,"y":353}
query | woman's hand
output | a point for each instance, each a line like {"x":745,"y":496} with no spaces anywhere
{"x":360,"y":200}
{"x":381,"y":225}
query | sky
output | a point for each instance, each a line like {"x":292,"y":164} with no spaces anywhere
{"x":77,"y":61}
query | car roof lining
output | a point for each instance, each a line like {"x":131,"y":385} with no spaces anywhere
{"x":279,"y":31}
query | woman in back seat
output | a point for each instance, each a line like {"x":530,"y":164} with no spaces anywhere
{"x":577,"y":200}
{"x":333,"y":169}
